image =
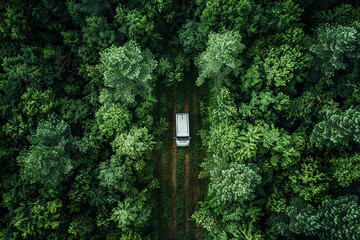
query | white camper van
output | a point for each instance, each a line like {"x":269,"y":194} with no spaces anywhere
{"x":182,"y":130}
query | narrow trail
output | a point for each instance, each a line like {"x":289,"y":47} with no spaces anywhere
{"x":187,"y":174}
{"x":173,"y":176}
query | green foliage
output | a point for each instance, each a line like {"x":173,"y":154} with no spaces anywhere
{"x":81,"y":228}
{"x":237,"y":183}
{"x":285,"y":64}
{"x":310,"y":182}
{"x":133,"y":144}
{"x":333,"y":47}
{"x":285,"y":149}
{"x":190,"y":38}
{"x":133,"y":211}
{"x":17,"y":71}
{"x":340,"y":218}
{"x":284,"y":14}
{"x":49,"y":160}
{"x":25,"y":68}
{"x":172,"y":68}
{"x":112,"y":119}
{"x":80,"y":191}
{"x":333,"y":219}
{"x":116,"y":174}
{"x":253,"y":77}
{"x":346,"y":169}
{"x":127,"y":72}
{"x":225,"y":108}
{"x":250,"y":141}
{"x":264,"y":104}
{"x":84,"y":106}
{"x":37,"y":103}
{"x":97,"y":35}
{"x":13,"y":21}
{"x":74,"y":111}
{"x":247,"y":231}
{"x":338,"y":129}
{"x":223,"y":141}
{"x":203,"y":218}
{"x":276,"y":202}
{"x":137,"y":25}
{"x":38,"y":218}
{"x":221,"y":58}
{"x":303,"y":218}
{"x":244,"y":16}
{"x":343,"y":14}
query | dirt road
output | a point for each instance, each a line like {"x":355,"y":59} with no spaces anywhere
{"x":179,"y":183}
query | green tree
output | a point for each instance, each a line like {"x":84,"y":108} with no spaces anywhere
{"x":237,"y":183}
{"x":191,"y":39}
{"x":284,"y":65}
{"x":284,"y":15}
{"x":127,"y":72}
{"x":37,"y":103}
{"x":303,"y":218}
{"x":243,"y":16}
{"x":13,"y":21}
{"x":220,"y":59}
{"x":133,"y":211}
{"x":340,"y":218}
{"x":50,"y":157}
{"x":346,"y":169}
{"x":310,"y":182}
{"x":334,"y":47}
{"x":97,"y":35}
{"x":338,"y":129}
{"x":38,"y":219}
{"x":112,"y":119}
{"x":134,"y":144}
{"x":116,"y":175}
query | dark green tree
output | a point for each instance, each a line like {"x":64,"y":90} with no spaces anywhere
{"x":338,"y":129}
{"x":49,"y":160}
{"x":334,"y":47}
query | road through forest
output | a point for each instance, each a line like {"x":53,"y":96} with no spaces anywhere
{"x":179,"y":168}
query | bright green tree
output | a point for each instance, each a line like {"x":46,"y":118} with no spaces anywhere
{"x":284,"y":65}
{"x":237,"y":183}
{"x":346,"y":169}
{"x":220,"y":59}
{"x":112,"y":119}
{"x":310,"y":182}
{"x":127,"y":72}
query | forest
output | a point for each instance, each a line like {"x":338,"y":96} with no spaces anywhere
{"x":89,"y":90}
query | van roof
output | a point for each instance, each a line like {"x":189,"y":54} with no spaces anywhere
{"x":182,"y":124}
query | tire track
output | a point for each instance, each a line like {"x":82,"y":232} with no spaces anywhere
{"x":173,"y":175}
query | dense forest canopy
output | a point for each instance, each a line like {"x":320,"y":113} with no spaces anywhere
{"x":86,"y":111}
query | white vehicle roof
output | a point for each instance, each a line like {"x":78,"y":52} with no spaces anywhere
{"x":182,"y":125}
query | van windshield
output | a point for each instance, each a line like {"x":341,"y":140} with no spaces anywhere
{"x":182,"y":138}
